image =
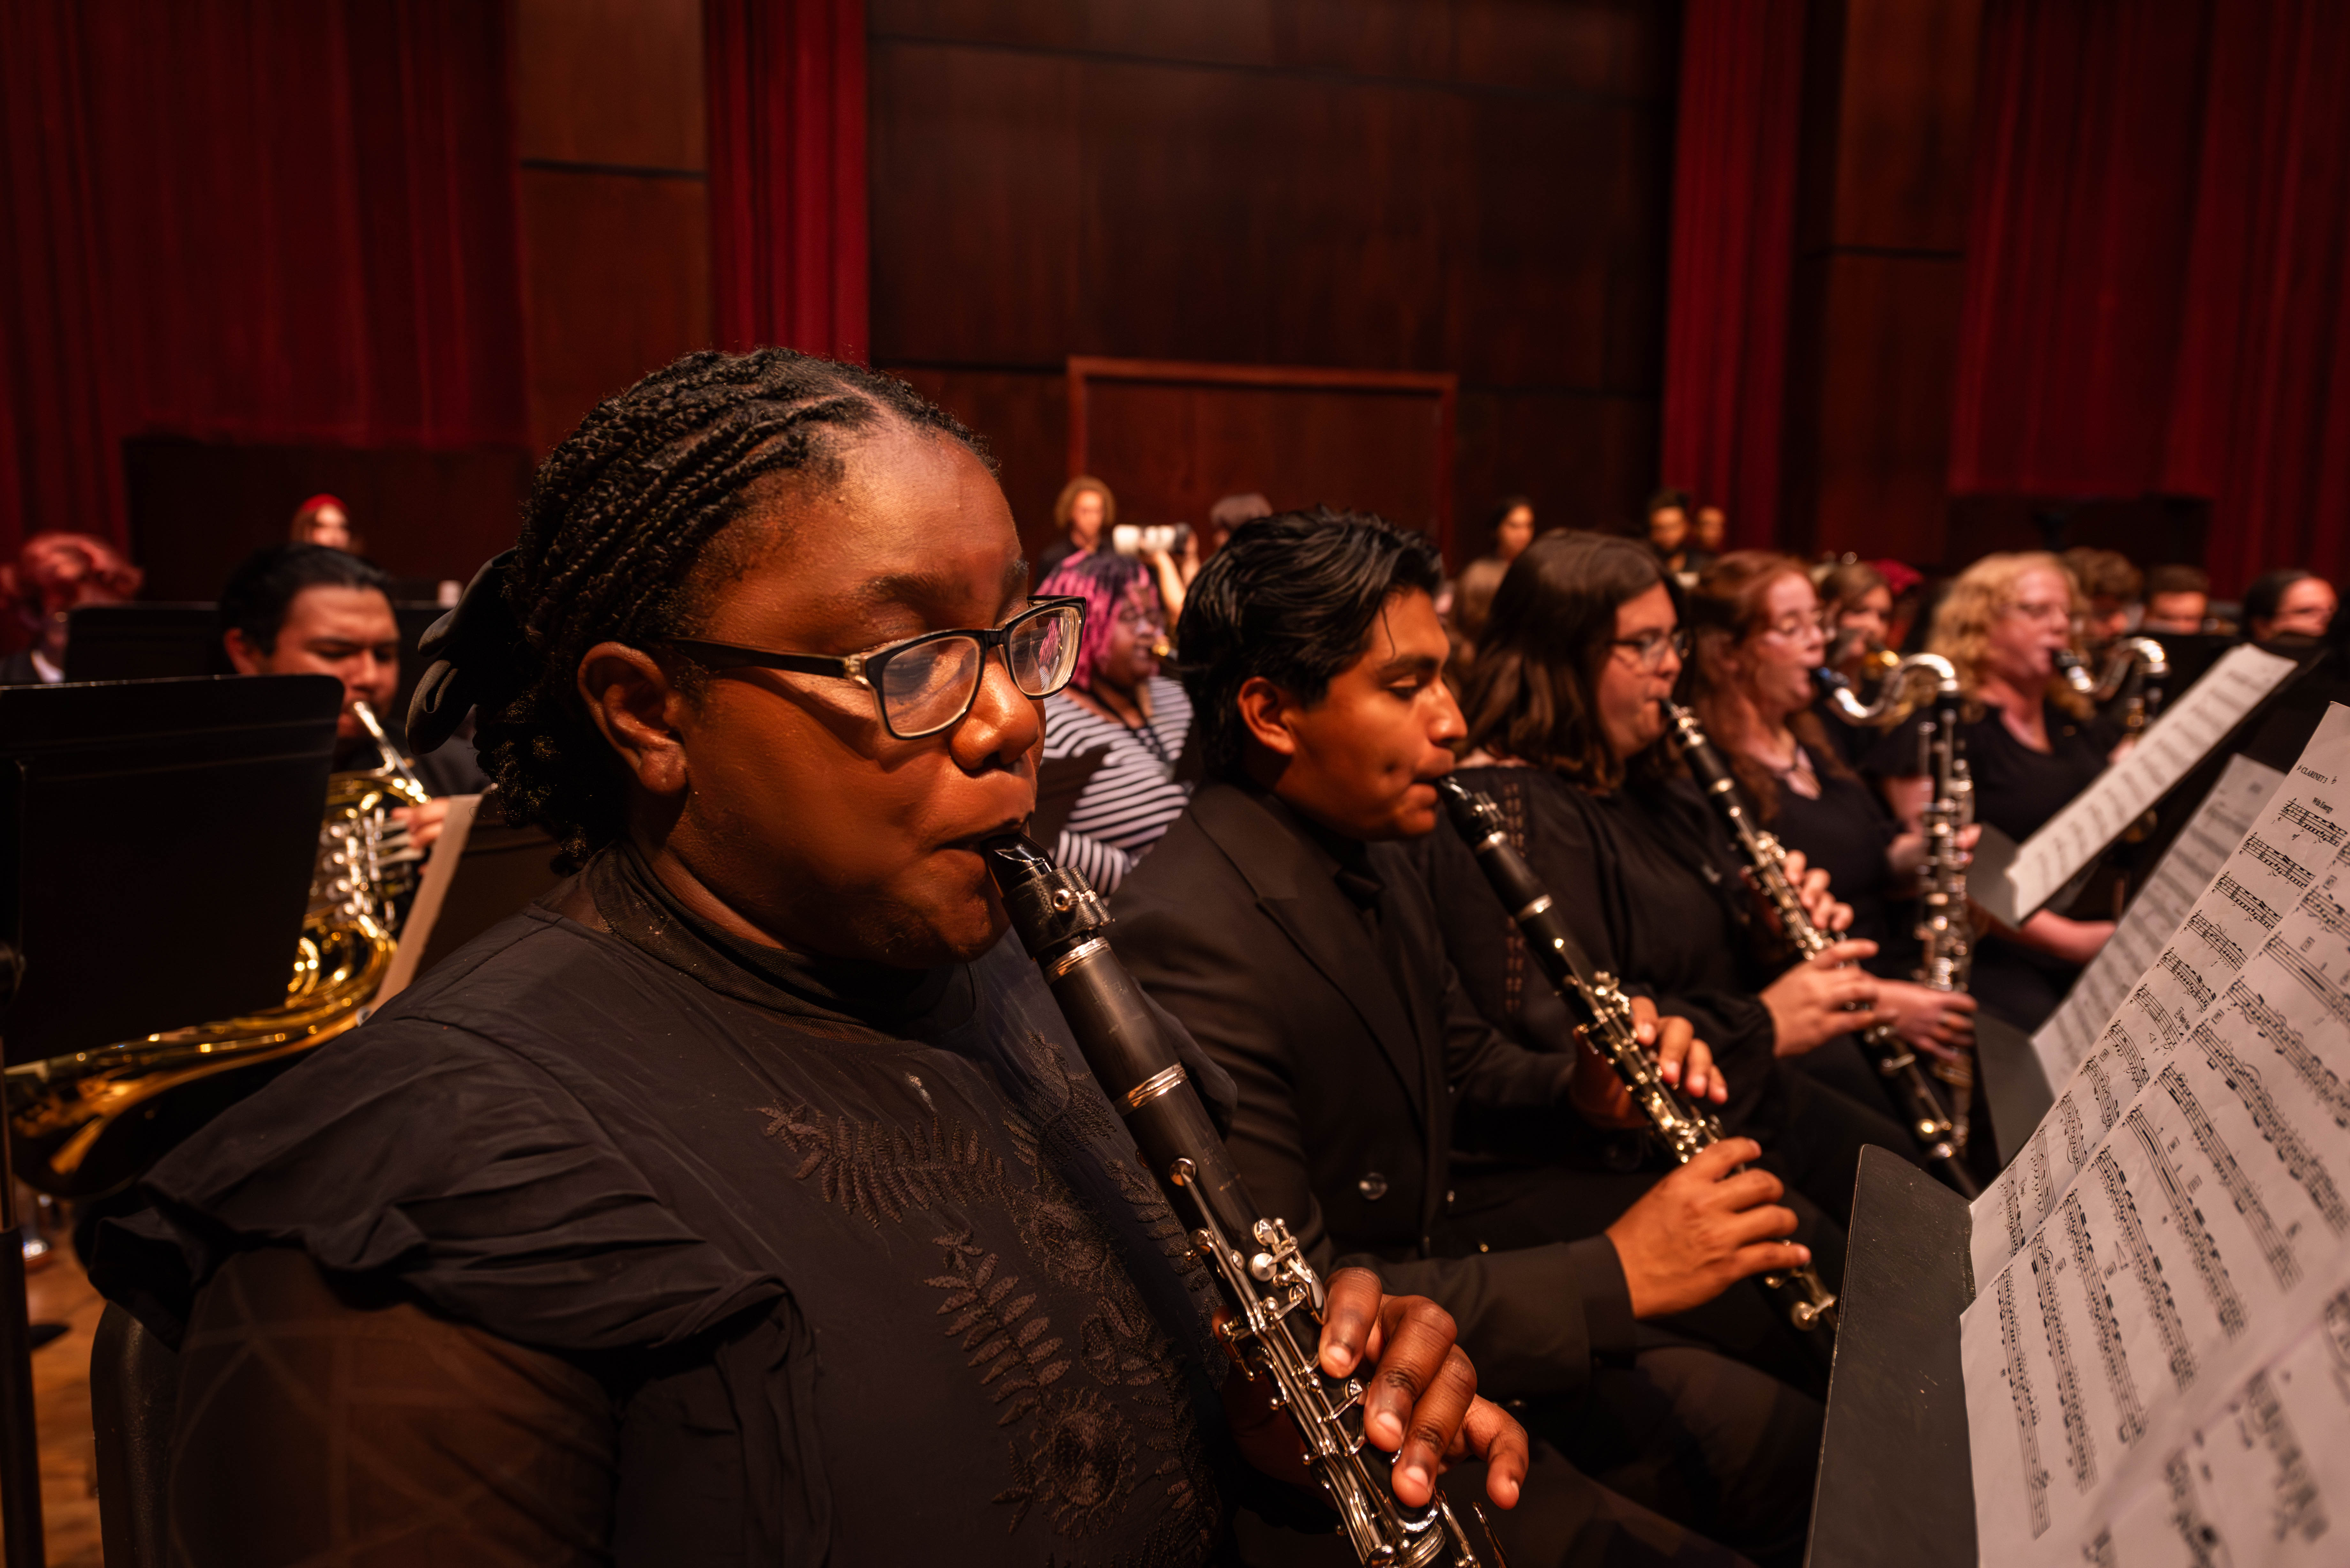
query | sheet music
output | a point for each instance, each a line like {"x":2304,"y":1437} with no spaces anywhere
{"x":2253,"y":1471}
{"x":2187,"y":868}
{"x":431,"y":892}
{"x":2295,"y":837}
{"x":2139,"y":1264}
{"x":2182,"y":737}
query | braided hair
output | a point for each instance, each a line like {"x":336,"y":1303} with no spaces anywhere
{"x":619,"y":516}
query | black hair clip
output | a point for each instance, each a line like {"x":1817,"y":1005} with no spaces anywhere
{"x":459,"y":650}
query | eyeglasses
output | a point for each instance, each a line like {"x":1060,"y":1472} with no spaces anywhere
{"x":1649,"y":649}
{"x":926,"y":684}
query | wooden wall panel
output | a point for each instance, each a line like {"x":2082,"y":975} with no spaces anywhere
{"x":197,"y":508}
{"x":610,"y":82}
{"x":1879,"y":275}
{"x":610,"y":122}
{"x":615,"y":280}
{"x":1478,"y":187}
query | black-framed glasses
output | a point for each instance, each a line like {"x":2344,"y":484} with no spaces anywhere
{"x":1650,"y":647}
{"x":926,"y":684}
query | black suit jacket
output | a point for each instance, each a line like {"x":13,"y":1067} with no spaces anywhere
{"x":1350,"y":1051}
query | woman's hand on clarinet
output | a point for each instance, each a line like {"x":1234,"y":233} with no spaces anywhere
{"x":1940,"y":1023}
{"x":1703,"y":1228}
{"x":1823,"y":997}
{"x":1686,"y":1061}
{"x":1812,"y":889}
{"x":1420,"y":1398}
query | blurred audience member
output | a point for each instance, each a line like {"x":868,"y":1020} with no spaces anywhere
{"x":1908,"y":584}
{"x":1514,"y":527}
{"x":305,"y":610}
{"x":1085,"y":514}
{"x":1708,"y":532}
{"x":1668,"y":528}
{"x":321,"y":520}
{"x":2112,"y":587}
{"x":2288,"y":602}
{"x":2177,"y":600}
{"x":1116,"y":704}
{"x":54,"y":574}
{"x":1228,"y":514}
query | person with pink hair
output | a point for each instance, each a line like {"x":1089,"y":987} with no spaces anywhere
{"x":54,"y":574}
{"x":1119,"y":727}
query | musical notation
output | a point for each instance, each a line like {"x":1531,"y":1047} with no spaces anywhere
{"x":2181,"y":1221}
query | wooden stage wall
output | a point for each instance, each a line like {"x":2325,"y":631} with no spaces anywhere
{"x":1478,"y":187}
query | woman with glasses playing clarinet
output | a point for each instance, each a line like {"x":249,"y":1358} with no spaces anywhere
{"x":747,"y":1200}
{"x":1567,"y":735}
{"x":1757,"y":634}
{"x":2033,"y":744}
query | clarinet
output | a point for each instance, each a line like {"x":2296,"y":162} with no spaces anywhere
{"x":1273,"y":1298}
{"x":1944,"y":929}
{"x":1766,"y":859}
{"x":1602,"y":1017}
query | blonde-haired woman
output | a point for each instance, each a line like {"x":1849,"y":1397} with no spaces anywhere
{"x":2033,"y":744}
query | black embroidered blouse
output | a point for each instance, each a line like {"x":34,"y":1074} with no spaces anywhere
{"x":826,"y":1264}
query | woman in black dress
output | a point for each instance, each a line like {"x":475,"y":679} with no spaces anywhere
{"x":2033,"y":744}
{"x":745,"y":1201}
{"x":1757,"y":635}
{"x":1565,"y":734}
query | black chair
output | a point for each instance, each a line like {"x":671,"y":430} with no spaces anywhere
{"x":134,"y":1393}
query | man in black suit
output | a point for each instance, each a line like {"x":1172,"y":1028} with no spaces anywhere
{"x":1277,"y":922}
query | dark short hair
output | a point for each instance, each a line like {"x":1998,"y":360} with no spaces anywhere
{"x":262,"y":590}
{"x":1505,"y":505}
{"x":2177,"y":579}
{"x":2266,"y":595}
{"x":1668,"y":497}
{"x":1291,"y":598}
{"x":1533,"y":694}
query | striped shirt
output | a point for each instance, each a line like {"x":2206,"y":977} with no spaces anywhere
{"x":1129,"y":803}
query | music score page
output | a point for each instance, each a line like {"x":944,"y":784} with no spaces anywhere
{"x":2151,"y":1271}
{"x":2188,"y":867}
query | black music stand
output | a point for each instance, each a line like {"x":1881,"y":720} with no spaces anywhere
{"x":157,"y":839}
{"x":1897,"y":1477}
{"x":143,"y":643}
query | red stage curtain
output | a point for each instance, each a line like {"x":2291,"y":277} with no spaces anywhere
{"x":265,"y":220}
{"x":2157,"y":259}
{"x":2085,"y":138}
{"x":787,"y":233}
{"x":2260,"y":418}
{"x":1733,"y":255}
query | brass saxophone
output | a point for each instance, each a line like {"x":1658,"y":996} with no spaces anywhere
{"x":1946,"y":930}
{"x":1602,"y":1017}
{"x":1273,"y":1295}
{"x":2132,"y":656}
{"x":1766,"y":860}
{"x":86,"y":1124}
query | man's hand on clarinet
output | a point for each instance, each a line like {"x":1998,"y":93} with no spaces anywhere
{"x":1703,"y":1228}
{"x":1419,"y":1400}
{"x":1420,"y":1396}
{"x":1686,"y":1061}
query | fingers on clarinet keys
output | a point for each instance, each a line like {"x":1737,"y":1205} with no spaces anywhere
{"x":1703,"y":1227}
